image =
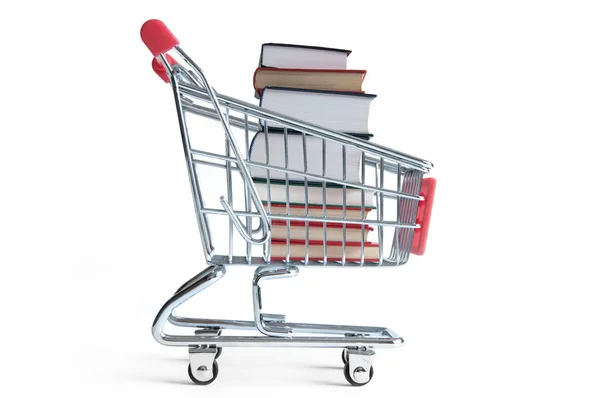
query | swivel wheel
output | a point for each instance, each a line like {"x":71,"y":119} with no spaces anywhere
{"x":358,"y":376}
{"x":202,"y":375}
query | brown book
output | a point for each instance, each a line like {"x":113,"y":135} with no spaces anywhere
{"x":316,"y":252}
{"x":312,"y":79}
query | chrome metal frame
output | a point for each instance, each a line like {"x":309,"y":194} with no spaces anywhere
{"x":340,"y":335}
{"x":192,"y":92}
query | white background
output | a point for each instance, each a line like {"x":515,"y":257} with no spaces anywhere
{"x":97,"y":224}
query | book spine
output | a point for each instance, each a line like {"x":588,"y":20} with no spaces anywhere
{"x":320,"y":206}
{"x":254,"y":81}
{"x":317,"y":224}
{"x":251,"y":148}
{"x":262,"y":51}
{"x":319,"y":243}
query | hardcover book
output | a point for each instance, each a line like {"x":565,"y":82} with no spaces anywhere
{"x":280,"y":55}
{"x":315,"y":79}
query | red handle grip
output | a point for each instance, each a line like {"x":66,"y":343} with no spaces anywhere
{"x":160,"y":70}
{"x":423,"y":216}
{"x":157,"y":37}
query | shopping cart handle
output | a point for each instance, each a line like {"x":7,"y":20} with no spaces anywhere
{"x":159,"y":68}
{"x":423,"y":216}
{"x":157,"y":37}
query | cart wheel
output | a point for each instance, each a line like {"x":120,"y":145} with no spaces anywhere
{"x":215,"y":371}
{"x":357,"y":372}
{"x":219,"y":352}
{"x":345,"y":356}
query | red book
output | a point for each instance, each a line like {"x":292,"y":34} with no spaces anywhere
{"x":315,"y":224}
{"x":333,"y":230}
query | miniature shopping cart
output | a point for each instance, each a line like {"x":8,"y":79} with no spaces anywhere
{"x":243,"y":220}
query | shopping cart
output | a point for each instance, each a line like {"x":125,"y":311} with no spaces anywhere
{"x":393,"y":179}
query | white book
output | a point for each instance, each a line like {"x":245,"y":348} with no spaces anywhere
{"x":299,"y":209}
{"x":295,"y":157}
{"x":279,"y":55}
{"x":346,"y":112}
{"x":334,"y":195}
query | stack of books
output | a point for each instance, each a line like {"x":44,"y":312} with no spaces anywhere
{"x":312,"y":84}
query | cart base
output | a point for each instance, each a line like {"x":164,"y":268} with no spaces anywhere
{"x":206,"y":342}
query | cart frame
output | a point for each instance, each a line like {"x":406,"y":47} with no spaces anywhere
{"x":192,"y":92}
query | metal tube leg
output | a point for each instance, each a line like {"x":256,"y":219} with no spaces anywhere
{"x":190,"y":282}
{"x":194,"y":286}
{"x":275,"y":325}
{"x":270,"y":324}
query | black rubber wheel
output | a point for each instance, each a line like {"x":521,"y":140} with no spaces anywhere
{"x":204,"y":383}
{"x":345,"y":356}
{"x":219,"y":352}
{"x":352,"y":382}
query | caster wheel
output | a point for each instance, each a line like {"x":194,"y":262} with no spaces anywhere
{"x":345,"y":356}
{"x":219,"y":352}
{"x":358,"y":373}
{"x":215,"y":370}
